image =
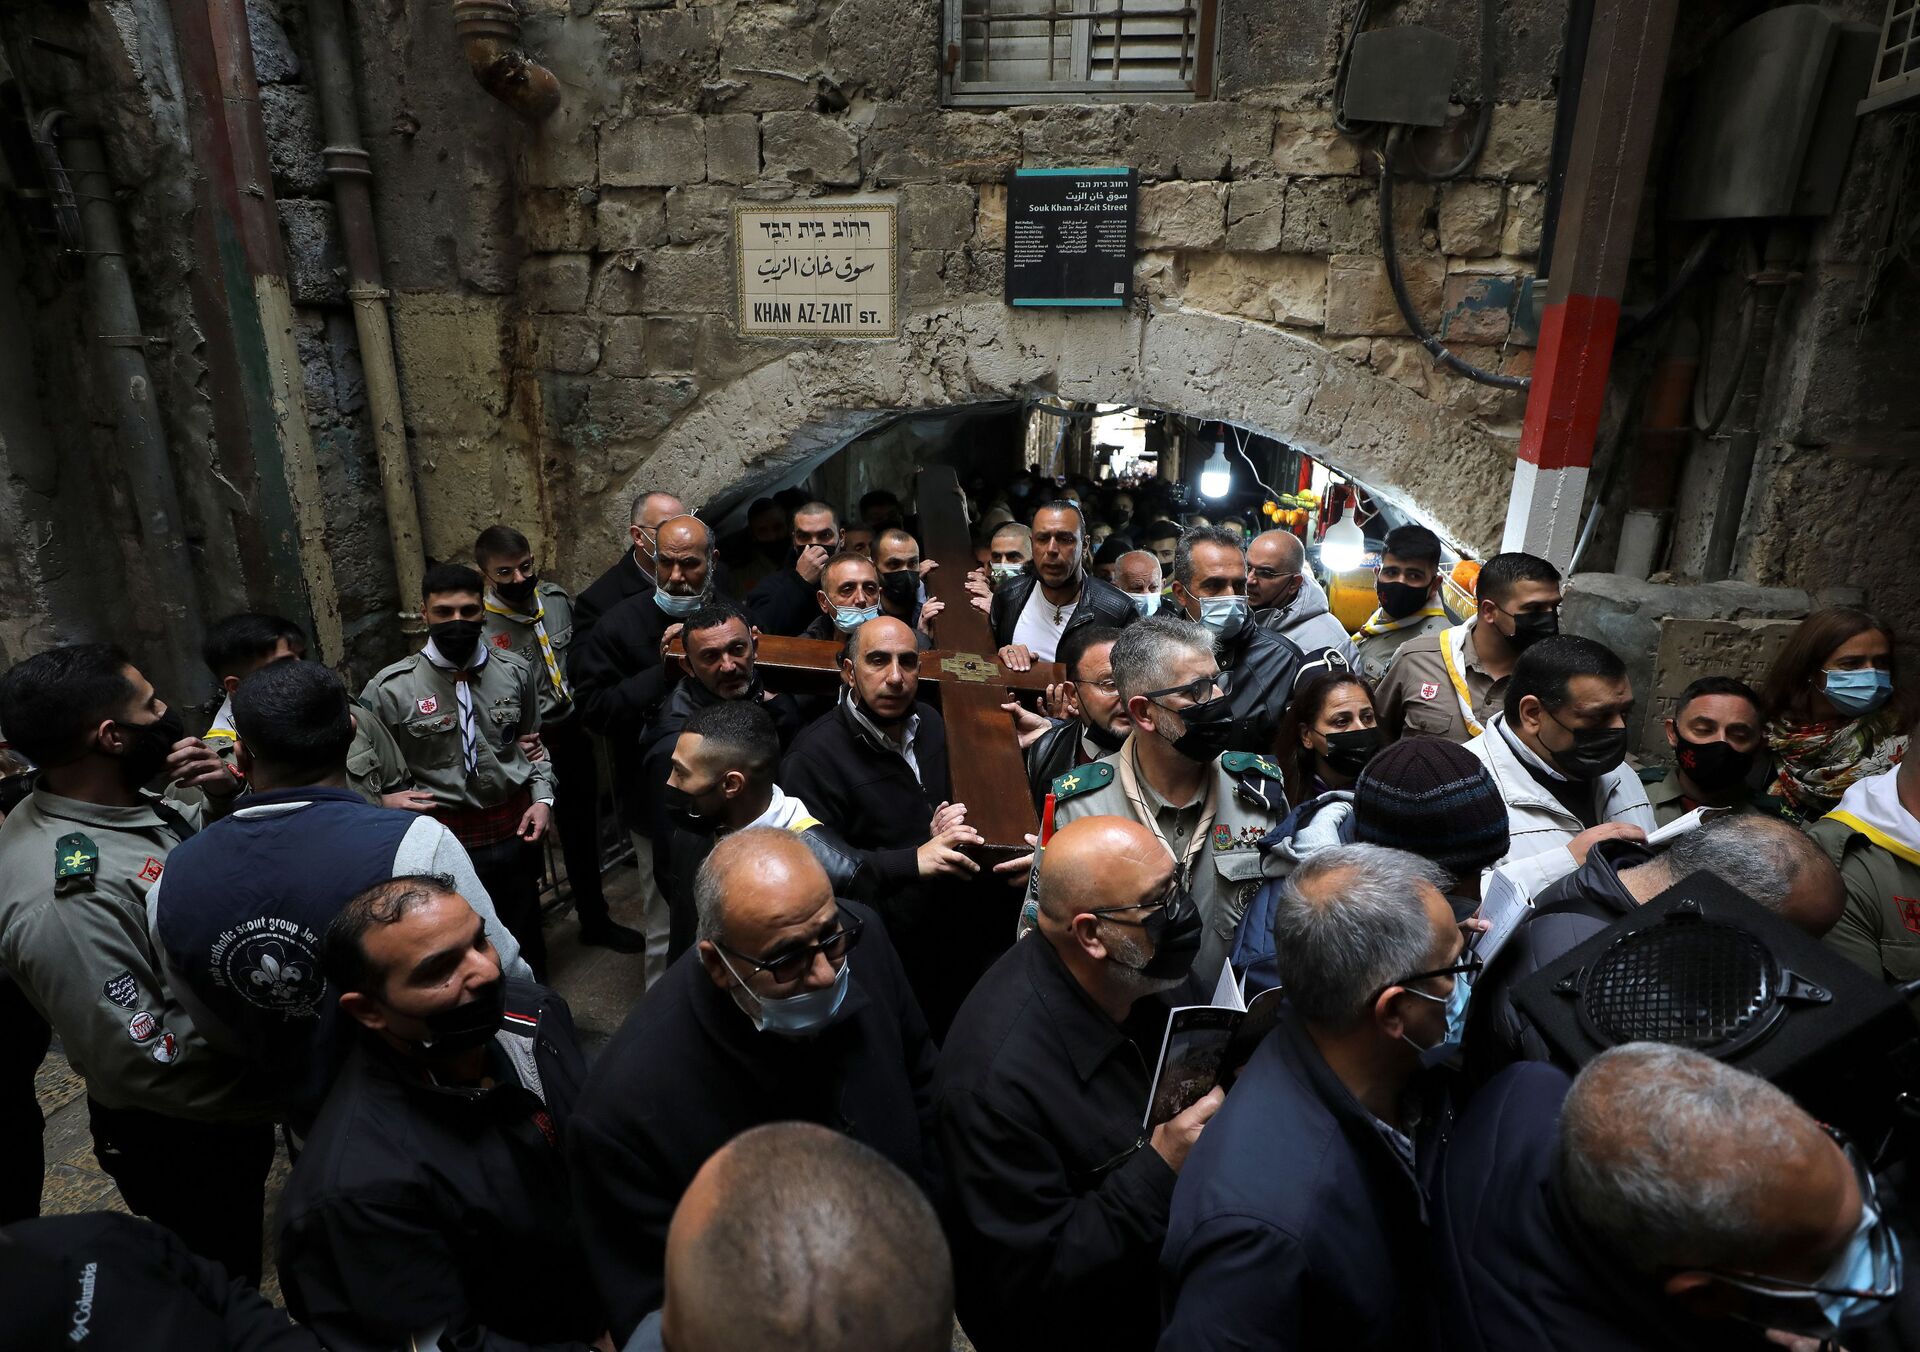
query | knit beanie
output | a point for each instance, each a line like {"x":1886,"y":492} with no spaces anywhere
{"x":1433,"y":798}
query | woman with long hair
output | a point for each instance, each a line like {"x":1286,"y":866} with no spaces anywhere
{"x":1835,"y":713}
{"x":1327,"y":737}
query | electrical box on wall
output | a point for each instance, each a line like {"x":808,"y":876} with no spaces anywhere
{"x":1400,"y":75}
{"x":1772,"y":118}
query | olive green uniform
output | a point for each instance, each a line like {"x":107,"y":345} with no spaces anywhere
{"x":1225,"y":870}
{"x":420,"y":704}
{"x":1670,"y":802}
{"x":1880,"y":925}
{"x":1417,"y":699}
{"x":514,"y":632}
{"x":1374,"y":653}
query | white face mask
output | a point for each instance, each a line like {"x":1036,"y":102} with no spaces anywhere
{"x":1147,"y":603}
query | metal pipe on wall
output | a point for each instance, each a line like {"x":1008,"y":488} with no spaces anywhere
{"x":122,"y":354}
{"x":490,"y":32}
{"x":266,"y":262}
{"x":351,"y":170}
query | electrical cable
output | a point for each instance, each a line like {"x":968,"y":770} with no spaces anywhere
{"x":1710,"y":424}
{"x":1640,"y":325}
{"x":1240,"y":445}
{"x":1483,"y":123}
{"x":1340,"y":124}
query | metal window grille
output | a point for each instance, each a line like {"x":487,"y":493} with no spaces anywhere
{"x":1022,"y":51}
{"x":1896,"y":74}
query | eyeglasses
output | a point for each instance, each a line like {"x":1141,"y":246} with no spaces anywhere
{"x":1174,"y":893}
{"x":1104,"y":685}
{"x":794,"y":963}
{"x":1470,"y":965}
{"x":1198,"y":690}
{"x":1266,"y":574}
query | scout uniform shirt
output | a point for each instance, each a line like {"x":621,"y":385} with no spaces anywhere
{"x":375,"y":766}
{"x":1437,"y":687}
{"x":1213,"y":839}
{"x":1875,"y":843}
{"x":74,"y":878}
{"x":541,"y":636}
{"x":421,"y":704}
{"x":1378,"y":640}
{"x":1670,"y":802}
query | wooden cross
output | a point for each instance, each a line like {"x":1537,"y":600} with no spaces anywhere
{"x":963,"y":675}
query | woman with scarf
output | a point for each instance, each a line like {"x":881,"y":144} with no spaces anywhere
{"x":1833,"y":715}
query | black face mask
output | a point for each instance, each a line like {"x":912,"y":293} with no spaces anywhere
{"x":1209,"y":730}
{"x":1106,"y":739}
{"x":456,"y":639}
{"x":1175,"y":931}
{"x":900,"y":589}
{"x":1595,"y":752}
{"x":1400,"y":599}
{"x":464,"y":1027}
{"x":517,"y":593}
{"x":1715,"y":766}
{"x":1530,"y":628}
{"x":682,"y":813}
{"x":148,"y":746}
{"x":1348,"y":752}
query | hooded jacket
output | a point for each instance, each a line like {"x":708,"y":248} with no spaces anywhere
{"x":1314,"y":825}
{"x":1308,"y":622}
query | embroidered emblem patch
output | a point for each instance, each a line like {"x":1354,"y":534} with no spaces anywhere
{"x":503,"y":640}
{"x":166,"y":1050}
{"x":142,"y":1027}
{"x":122,"y":990}
{"x":1223,"y":837}
{"x":1909,"y":912}
{"x":151,"y":870}
{"x":428,"y":705}
{"x":1428,"y":690}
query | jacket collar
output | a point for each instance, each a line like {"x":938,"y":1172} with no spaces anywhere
{"x":1599,"y":877}
{"x":139,"y":817}
{"x":287,"y":799}
{"x":1084,"y":1030}
{"x":1517,"y":787}
{"x":1359,"y":1126}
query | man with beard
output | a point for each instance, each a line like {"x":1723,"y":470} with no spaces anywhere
{"x":173,"y":1121}
{"x":1059,"y":1204}
{"x":1208,"y":806}
{"x":1288,"y":599}
{"x":1033,"y":612}
{"x":782,"y":602}
{"x":1450,"y":683}
{"x":459,"y":708}
{"x":633,"y":574}
{"x":1408,"y":589}
{"x":1261,"y":668}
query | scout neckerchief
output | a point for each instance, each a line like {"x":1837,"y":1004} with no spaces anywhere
{"x":539,"y":622}
{"x":1382,"y":623}
{"x":222,"y":728}
{"x":1452,"y":645}
{"x":463,"y":679}
{"x":1873,"y":808}
{"x":1130,"y":784}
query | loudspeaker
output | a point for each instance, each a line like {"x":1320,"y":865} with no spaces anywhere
{"x":1703,"y":966}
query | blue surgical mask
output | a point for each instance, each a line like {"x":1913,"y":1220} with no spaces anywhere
{"x":1456,"y":1004}
{"x":1226,"y":616}
{"x":1856,"y":1292}
{"x":849,"y":618}
{"x":796,"y":1015}
{"x":677,"y":606}
{"x":1858,"y":693}
{"x":1147,"y":603}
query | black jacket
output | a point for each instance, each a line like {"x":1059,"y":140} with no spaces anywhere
{"x":414,"y":1205}
{"x":687,"y":1072}
{"x":618,"y":683}
{"x":1056,"y":751}
{"x":1058,"y":1206}
{"x":846,"y":869}
{"x":1099,"y":603}
{"x":619,"y":582}
{"x":1565,"y":915}
{"x":783,"y":602}
{"x":1265,"y":667}
{"x":1296,"y":1224}
{"x":663,"y":734}
{"x":100,"y":1279}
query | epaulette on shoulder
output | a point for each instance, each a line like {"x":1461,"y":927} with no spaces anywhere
{"x":1082,"y":779}
{"x":1653,"y":774}
{"x":1249,"y":762}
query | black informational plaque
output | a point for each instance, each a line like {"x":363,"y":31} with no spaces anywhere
{"x":1070,"y":237}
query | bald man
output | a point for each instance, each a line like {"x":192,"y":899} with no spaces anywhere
{"x":620,"y":678}
{"x":633,"y":574}
{"x":1288,"y":599}
{"x":793,"y":1237}
{"x":1661,"y":1200}
{"x":1059,"y":1208}
{"x":773,"y":1016}
{"x":1138,"y":574}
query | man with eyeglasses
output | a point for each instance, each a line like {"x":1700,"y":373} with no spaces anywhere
{"x":1060,"y":1196}
{"x":633,"y":574}
{"x":1288,"y":599}
{"x":1660,"y":1200}
{"x":773,"y":1017}
{"x":1451,"y":683}
{"x":1096,"y":720}
{"x":1300,"y":1219}
{"x":1033,"y":611}
{"x":1175,"y":776}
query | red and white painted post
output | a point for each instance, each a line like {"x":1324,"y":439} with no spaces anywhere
{"x":1626,"y":66}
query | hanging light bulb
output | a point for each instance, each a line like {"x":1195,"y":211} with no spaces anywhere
{"x":1344,"y":546}
{"x":1216,"y":476}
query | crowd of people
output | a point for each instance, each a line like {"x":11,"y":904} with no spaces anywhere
{"x":873,"y":1083}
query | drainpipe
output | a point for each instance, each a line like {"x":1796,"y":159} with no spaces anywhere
{"x":1666,"y":431}
{"x":123,"y":362}
{"x":351,"y":169}
{"x":266,"y":263}
{"x":490,"y":32}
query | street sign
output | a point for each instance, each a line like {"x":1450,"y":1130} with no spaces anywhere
{"x":1070,"y":237}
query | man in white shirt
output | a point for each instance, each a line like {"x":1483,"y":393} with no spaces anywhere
{"x":1032,"y":611}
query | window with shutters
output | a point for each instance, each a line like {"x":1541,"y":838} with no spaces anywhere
{"x":1034,"y":51}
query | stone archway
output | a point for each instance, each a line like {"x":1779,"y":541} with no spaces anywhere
{"x":1431,"y":460}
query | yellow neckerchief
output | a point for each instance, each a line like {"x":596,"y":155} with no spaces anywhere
{"x":538,"y":621}
{"x":1452,"y":644}
{"x":1872,"y":807}
{"x":1125,"y":764}
{"x":1382,"y":623}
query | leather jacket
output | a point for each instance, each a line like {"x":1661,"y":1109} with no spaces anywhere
{"x":1100,"y":602}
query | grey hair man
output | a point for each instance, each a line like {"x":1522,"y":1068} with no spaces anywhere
{"x":1138,"y":574}
{"x":1769,"y":859}
{"x":1210,"y":586}
{"x":1288,"y":599}
{"x":794,"y":1237}
{"x":1209,"y":806}
{"x":768,"y":1018}
{"x":633,"y":574}
{"x":1662,"y":1199}
{"x":1305,"y":1198}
